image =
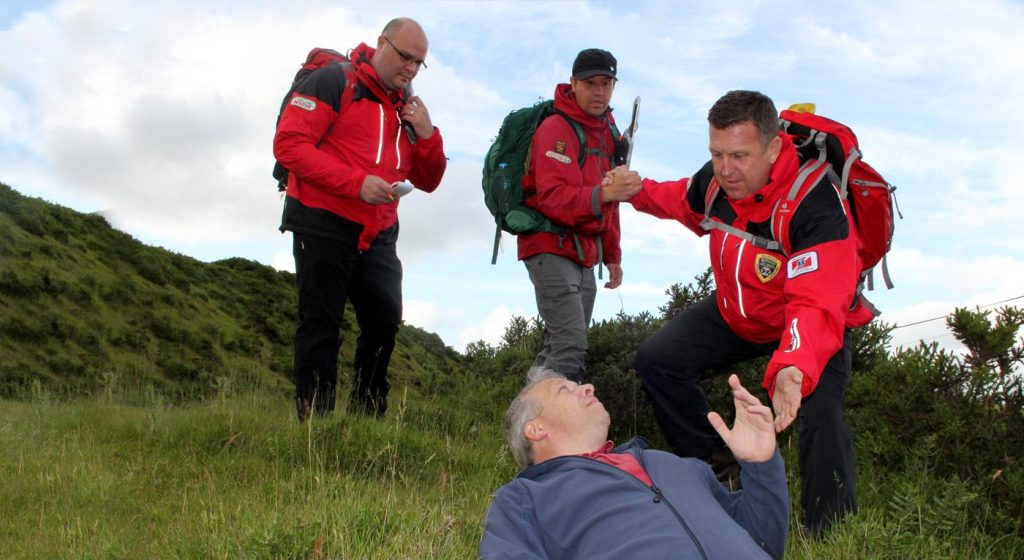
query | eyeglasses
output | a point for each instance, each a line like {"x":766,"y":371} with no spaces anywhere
{"x":406,"y":56}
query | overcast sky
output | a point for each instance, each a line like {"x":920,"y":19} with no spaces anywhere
{"x":160,"y":115}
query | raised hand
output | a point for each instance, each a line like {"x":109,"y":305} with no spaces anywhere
{"x":415,"y":113}
{"x":752,"y":437}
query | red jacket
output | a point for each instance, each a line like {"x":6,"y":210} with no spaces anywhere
{"x":803,"y":301}
{"x":568,"y":195}
{"x":330,"y":149}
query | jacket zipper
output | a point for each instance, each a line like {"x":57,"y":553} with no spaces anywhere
{"x":659,"y":498}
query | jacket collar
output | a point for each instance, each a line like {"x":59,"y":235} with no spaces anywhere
{"x":756,"y":206}
{"x":360,"y":57}
{"x":565,"y":101}
{"x":633,"y":446}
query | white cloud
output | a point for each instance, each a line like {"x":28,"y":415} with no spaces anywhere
{"x":491,"y":328}
{"x":283,"y":261}
{"x":972,"y":279}
{"x":642,"y":289}
{"x":922,"y":322}
{"x":428,"y":315}
{"x":453,"y":217}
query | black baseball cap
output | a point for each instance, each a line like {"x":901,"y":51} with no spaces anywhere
{"x":594,"y":62}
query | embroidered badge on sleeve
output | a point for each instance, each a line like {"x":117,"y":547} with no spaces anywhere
{"x":802,"y":264}
{"x":304,"y":103}
{"x":558,"y":157}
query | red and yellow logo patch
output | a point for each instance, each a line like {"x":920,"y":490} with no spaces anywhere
{"x":767,"y":267}
{"x":559,"y":146}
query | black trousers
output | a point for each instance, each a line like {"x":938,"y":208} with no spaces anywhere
{"x":329,"y":273}
{"x":671,"y":364}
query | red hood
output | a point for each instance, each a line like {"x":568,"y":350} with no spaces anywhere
{"x":360,"y":57}
{"x":565,"y":101}
{"x":783,"y":173}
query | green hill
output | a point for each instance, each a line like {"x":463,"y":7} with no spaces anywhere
{"x":83,"y":305}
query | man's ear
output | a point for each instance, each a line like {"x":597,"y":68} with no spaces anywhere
{"x":534,"y":431}
{"x":775,"y":148}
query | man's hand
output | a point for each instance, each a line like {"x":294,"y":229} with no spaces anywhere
{"x":620,"y":184}
{"x":752,"y":437}
{"x":787,"y":397}
{"x":376,"y":191}
{"x":415,"y":113}
{"x":614,"y":276}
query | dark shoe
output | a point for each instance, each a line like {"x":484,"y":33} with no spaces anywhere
{"x":726,"y":469}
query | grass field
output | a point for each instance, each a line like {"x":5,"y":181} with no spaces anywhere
{"x":236,"y":476}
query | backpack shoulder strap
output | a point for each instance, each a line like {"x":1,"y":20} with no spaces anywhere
{"x":348,"y":93}
{"x":707,"y":224}
{"x":808,"y":177}
{"x":709,"y":197}
{"x":580,"y":135}
{"x":349,"y":84}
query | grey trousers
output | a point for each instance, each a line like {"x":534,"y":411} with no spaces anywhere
{"x":565,"y":300}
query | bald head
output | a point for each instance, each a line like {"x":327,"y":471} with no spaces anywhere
{"x":401,"y":50}
{"x":397,"y":24}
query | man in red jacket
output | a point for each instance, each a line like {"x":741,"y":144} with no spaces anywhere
{"x":561,"y":266}
{"x":349,"y":133}
{"x":797,"y":308}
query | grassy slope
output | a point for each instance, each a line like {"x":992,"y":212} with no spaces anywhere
{"x":226,"y":479}
{"x":236,"y":477}
{"x":82,"y":304}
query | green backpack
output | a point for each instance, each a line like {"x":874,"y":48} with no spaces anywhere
{"x":504,"y":167}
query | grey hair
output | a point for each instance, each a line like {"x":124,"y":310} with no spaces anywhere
{"x":521,"y":411}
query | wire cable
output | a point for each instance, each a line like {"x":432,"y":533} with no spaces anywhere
{"x":947,"y":315}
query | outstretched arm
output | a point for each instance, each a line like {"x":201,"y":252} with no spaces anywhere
{"x":762,"y":507}
{"x":752,"y":437}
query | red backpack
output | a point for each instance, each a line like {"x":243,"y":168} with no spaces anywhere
{"x":872,"y":199}
{"x":827,"y":147}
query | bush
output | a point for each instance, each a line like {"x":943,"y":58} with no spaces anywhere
{"x":964,"y":412}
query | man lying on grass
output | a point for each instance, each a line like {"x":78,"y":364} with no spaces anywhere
{"x":578,"y":497}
